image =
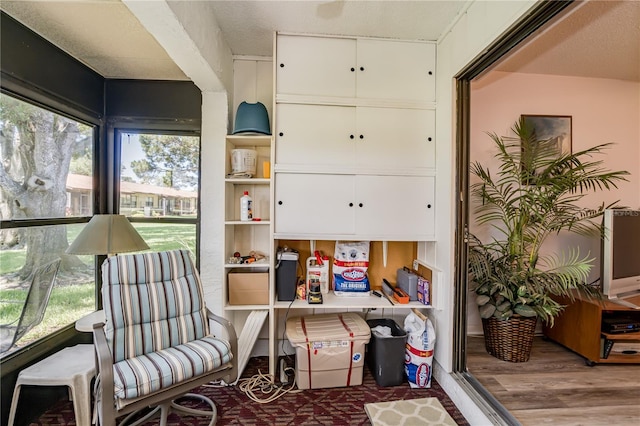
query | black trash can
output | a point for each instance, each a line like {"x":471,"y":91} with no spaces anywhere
{"x":286,"y":277}
{"x":385,"y":354}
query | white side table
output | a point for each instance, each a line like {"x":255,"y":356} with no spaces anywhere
{"x":74,"y":367}
{"x":85,"y":323}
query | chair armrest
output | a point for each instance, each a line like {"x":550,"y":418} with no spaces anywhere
{"x":232,"y":338}
{"x":229,"y":328}
{"x":104,"y":360}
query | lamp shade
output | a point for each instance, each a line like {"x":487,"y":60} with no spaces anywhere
{"x":107,"y":234}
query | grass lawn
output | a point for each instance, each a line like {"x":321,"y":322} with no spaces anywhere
{"x":70,"y":302}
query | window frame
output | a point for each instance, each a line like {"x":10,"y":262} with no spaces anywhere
{"x":159,"y":127}
{"x":53,"y":105}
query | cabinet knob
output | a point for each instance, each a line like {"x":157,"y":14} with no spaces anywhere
{"x":279,"y":203}
{"x":281,"y":65}
{"x":430,"y":73}
{"x":361,"y":68}
{"x":429,"y":139}
{"x":428,"y":206}
{"x":282,"y":134}
{"x":360,"y":205}
{"x":361,"y":136}
{"x":351,"y":136}
{"x":353,"y":69}
{"x":350,"y":204}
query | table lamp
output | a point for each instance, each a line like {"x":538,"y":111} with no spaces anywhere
{"x":107,"y":234}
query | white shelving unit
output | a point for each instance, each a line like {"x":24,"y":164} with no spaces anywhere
{"x":353,"y":123}
{"x":244,"y":237}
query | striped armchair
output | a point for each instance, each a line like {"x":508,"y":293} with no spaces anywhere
{"x":155,"y":344}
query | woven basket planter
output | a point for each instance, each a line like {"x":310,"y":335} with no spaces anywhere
{"x":509,"y":340}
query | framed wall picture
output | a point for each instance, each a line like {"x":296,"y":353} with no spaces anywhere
{"x":552,"y":127}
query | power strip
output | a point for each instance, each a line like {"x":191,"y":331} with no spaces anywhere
{"x":283,"y":374}
{"x":287,"y":374}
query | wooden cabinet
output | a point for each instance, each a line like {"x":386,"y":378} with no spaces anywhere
{"x":579,"y":328}
{"x":329,"y":137}
{"x":362,"y":68}
{"x":371,"y":207}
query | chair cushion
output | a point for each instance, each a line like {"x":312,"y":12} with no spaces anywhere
{"x":145,"y":374}
{"x":152,"y":301}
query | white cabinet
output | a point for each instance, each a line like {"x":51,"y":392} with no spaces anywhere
{"x":315,"y":66}
{"x":314,"y":204}
{"x":399,"y":208}
{"x":355,"y":138}
{"x":363,"y":68}
{"x":321,"y":206}
{"x":400,"y":70}
{"x":255,"y":235}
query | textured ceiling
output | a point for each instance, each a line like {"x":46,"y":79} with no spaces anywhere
{"x":597,"y":39}
{"x":249,"y":25}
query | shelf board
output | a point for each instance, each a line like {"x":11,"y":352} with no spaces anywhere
{"x":248,"y":181}
{"x":249,"y":140}
{"x":633,"y":336}
{"x":247,"y":223}
{"x":254,"y":265}
{"x":331,"y":301}
{"x":228,"y":307}
{"x":620,"y":359}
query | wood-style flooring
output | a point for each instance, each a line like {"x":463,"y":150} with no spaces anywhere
{"x":556,"y":387}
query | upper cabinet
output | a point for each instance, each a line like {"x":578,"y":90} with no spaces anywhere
{"x":315,"y":66}
{"x":357,"y":139}
{"x":355,"y":68}
{"x":354,"y":139}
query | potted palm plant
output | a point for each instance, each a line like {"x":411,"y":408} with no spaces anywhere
{"x":533,"y":195}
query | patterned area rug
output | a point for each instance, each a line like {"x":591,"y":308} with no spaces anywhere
{"x":332,"y":406}
{"x":423,"y":411}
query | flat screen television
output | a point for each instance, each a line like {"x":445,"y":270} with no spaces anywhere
{"x":621,"y":255}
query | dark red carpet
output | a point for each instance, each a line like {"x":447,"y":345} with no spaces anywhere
{"x":333,"y":406}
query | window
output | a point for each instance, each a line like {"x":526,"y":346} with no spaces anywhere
{"x":162,"y":170}
{"x":47,"y":180}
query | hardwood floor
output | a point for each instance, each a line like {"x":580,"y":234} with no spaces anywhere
{"x":556,"y":387}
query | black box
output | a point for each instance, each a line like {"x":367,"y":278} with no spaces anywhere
{"x":385,"y":354}
{"x":286,"y":275}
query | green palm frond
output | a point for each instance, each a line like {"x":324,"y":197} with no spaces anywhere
{"x":534,"y":193}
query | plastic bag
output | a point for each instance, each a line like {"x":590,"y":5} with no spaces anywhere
{"x":350,"y":264}
{"x":421,"y":339}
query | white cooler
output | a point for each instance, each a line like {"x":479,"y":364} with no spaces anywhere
{"x":329,"y":349}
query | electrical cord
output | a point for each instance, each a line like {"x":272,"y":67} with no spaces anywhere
{"x":262,"y":389}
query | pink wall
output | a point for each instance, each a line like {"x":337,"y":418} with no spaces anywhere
{"x":602,"y":111}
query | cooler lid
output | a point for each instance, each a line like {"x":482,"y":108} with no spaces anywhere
{"x":341,"y":326}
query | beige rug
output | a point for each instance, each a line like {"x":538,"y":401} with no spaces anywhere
{"x":411,"y":412}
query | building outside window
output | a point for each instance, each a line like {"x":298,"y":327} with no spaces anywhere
{"x":163,"y":170}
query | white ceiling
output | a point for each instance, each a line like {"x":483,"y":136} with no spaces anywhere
{"x":597,"y":39}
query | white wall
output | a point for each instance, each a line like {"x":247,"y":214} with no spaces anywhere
{"x":602,"y":111}
{"x":475,"y":29}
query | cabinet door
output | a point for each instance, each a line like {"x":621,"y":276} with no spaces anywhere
{"x":395,"y":207}
{"x":396,"y":70}
{"x":314,"y":135}
{"x":395,"y":138}
{"x":314,"y":204}
{"x":315,"y":66}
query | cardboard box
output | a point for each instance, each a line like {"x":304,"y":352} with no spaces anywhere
{"x":424,"y":293}
{"x":248,"y":287}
